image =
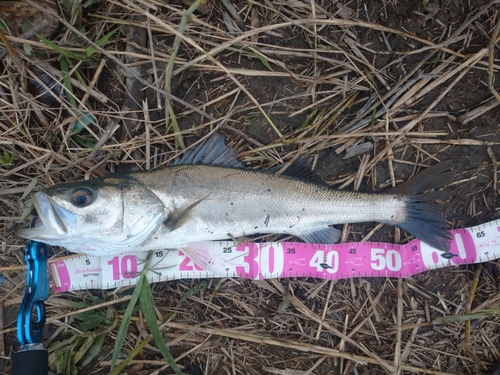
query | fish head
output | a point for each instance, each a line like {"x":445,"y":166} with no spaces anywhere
{"x":97,"y":217}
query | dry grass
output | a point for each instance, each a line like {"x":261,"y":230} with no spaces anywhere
{"x":286,"y":79}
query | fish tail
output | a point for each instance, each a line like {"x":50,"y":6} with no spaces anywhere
{"x":423,"y":216}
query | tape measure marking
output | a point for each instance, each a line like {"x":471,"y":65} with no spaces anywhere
{"x":258,"y":261}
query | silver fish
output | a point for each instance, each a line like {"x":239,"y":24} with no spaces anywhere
{"x":208,"y":195}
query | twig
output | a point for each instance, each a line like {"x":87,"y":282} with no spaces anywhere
{"x":491,"y":60}
{"x":470,"y":298}
{"x":399,"y":317}
{"x":495,"y":169}
{"x":330,"y":288}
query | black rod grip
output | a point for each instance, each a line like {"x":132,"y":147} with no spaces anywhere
{"x":30,"y":362}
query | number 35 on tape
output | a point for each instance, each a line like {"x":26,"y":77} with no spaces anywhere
{"x":278,"y":260}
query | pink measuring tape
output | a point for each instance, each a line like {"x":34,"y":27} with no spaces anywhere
{"x":259,"y":261}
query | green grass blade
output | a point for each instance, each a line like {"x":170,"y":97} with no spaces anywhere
{"x":214,"y":291}
{"x":169,"y":112}
{"x":147,"y":307}
{"x":83,"y":347}
{"x":119,"y":369}
{"x":27,"y":210}
{"x":90,"y":321}
{"x":122,"y":331}
{"x":91,"y":50}
{"x":66,"y":80}
{"x":308,"y":120}
{"x":195,"y":289}
{"x":94,"y":350}
{"x":62,"y":51}
{"x":80,"y":77}
{"x":263,"y":60}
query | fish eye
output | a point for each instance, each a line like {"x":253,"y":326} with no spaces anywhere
{"x":82,"y":197}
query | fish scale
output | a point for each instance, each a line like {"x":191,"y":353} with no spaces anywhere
{"x":245,"y":202}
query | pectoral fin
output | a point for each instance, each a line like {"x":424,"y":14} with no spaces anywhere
{"x":177,"y":219}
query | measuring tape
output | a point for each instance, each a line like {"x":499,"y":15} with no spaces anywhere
{"x":259,"y":261}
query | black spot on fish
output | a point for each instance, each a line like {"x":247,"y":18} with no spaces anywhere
{"x":232,"y":203}
{"x":448,"y":255}
{"x":255,"y":227}
{"x":268,"y":189}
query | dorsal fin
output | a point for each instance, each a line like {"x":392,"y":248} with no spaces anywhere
{"x":299,"y":169}
{"x":212,"y":151}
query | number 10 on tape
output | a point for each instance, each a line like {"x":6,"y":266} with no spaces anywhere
{"x":125,"y":267}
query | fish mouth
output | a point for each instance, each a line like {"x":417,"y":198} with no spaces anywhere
{"x":50,"y":221}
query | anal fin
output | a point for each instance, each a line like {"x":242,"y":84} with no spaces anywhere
{"x":327,"y":235}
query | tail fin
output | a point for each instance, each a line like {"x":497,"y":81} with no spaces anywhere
{"x":423,"y":216}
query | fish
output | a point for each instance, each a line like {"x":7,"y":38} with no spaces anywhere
{"x":208,"y":195}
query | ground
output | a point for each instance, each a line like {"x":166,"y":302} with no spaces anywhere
{"x":287,"y":79}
